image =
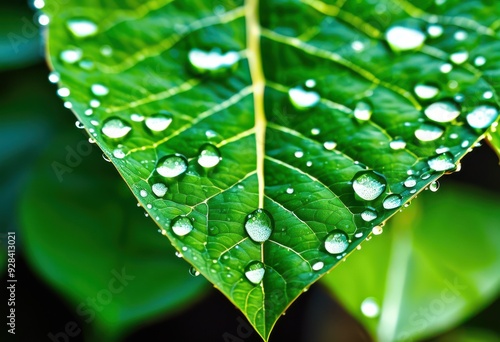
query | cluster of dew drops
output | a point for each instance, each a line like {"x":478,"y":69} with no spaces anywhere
{"x":368,"y":185}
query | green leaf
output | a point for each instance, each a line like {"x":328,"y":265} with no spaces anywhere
{"x":247,"y":127}
{"x":83,"y":235}
{"x":434,"y":266}
{"x":493,"y":138}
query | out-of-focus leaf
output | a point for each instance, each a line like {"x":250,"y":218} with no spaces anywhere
{"x":84,"y":236}
{"x":20,"y":39}
{"x":493,"y":138}
{"x":470,"y":335}
{"x":268,"y":137}
{"x":435,"y":265}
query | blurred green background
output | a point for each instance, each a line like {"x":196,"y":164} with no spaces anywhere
{"x":91,"y":267}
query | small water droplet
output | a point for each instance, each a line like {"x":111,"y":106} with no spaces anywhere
{"x":318,"y":266}
{"x":99,"y":90}
{"x":435,"y":31}
{"x":482,"y":116}
{"x":298,"y":154}
{"x":479,"y":61}
{"x":459,"y":57}
{"x":369,"y":215}
{"x":71,"y":55}
{"x":259,"y":225}
{"x":392,"y":201}
{"x":115,"y":128}
{"x":434,"y":186}
{"x":106,"y":158}
{"x":209,"y":156}
{"x":446,"y":68}
{"x":254,"y":272}
{"x":136,"y":117}
{"x":428,"y":132}
{"x":442,"y":111}
{"x":315,"y":131}
{"x":368,"y":185}
{"x":357,"y":46}
{"x":181,"y":225}
{"x":397,"y":144}
{"x":159,"y":189}
{"x":310,"y":83}
{"x":336,"y":242}
{"x":95,"y":103}
{"x":402,"y":38}
{"x":178,"y":254}
{"x":377,"y":230}
{"x":213,"y":62}
{"x":143,"y":193}
{"x":289,"y":191}
{"x":82,"y":28}
{"x":329,"y":145}
{"x":39,"y":4}
{"x":79,"y":125}
{"x":363,"y":111}
{"x":106,"y":50}
{"x":426,"y":91}
{"x":303,"y":99}
{"x":172,"y":165}
{"x":410,"y":182}
{"x":488,"y":95}
{"x":118,"y":153}
{"x":54,"y":77}
{"x":157,"y":122}
{"x":441,"y":162}
{"x":194,"y":272}
{"x":370,"y":307}
{"x":460,"y":35}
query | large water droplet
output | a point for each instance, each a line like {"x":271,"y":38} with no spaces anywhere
{"x":82,"y":28}
{"x":259,"y":225}
{"x":369,"y":184}
{"x":482,"y":116}
{"x":172,"y":165}
{"x":441,"y":162}
{"x":363,"y":111}
{"x":213,"y":62}
{"x":369,"y":215}
{"x":254,"y":272}
{"x":159,"y":189}
{"x":336,"y":242}
{"x":370,"y":308}
{"x":428,"y":132}
{"x":426,"y":91}
{"x":158,"y":122}
{"x":443,"y":111}
{"x":392,"y":201}
{"x":115,"y":128}
{"x":209,"y":156}
{"x":402,"y":38}
{"x":303,"y":99}
{"x":181,"y":225}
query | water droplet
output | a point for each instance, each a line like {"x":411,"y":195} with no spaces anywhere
{"x":434,"y":186}
{"x":318,"y":266}
{"x":446,"y":68}
{"x":106,"y":158}
{"x":178,"y":254}
{"x":136,"y":117}
{"x":86,"y":64}
{"x":369,"y":215}
{"x":63,"y":92}
{"x":442,"y":111}
{"x":441,"y":162}
{"x":181,"y":225}
{"x":213,"y":62}
{"x":482,"y":116}
{"x":54,"y":77}
{"x":143,"y":193}
{"x":329,"y":145}
{"x":172,"y":165}
{"x":370,"y":308}
{"x":488,"y":95}
{"x":157,"y":122}
{"x":363,"y":111}
{"x":298,"y":154}
{"x":43,"y":19}
{"x":336,"y":242}
{"x":159,"y":189}
{"x":106,"y":50}
{"x":95,"y":103}
{"x":426,"y":91}
{"x":309,"y":163}
{"x":428,"y":132}
{"x":310,"y":83}
{"x":79,"y":125}
{"x":82,"y":28}
{"x":479,"y":61}
{"x":410,"y":182}
{"x":435,"y":31}
{"x":99,"y":90}
{"x":357,"y":46}
{"x":392,"y":201}
{"x":194,"y":272}
{"x":254,"y":272}
{"x":377,"y":230}
{"x":397,"y":144}
{"x":72,"y":55}
{"x":289,"y":191}
{"x":68,"y":104}
{"x":259,"y":225}
{"x":39,"y":4}
{"x":209,"y":156}
{"x":315,"y":131}
{"x":368,"y":184}
{"x":459,"y":57}
{"x":119,"y":153}
{"x":115,"y":128}
{"x":460,"y":35}
{"x":404,"y":38}
{"x":303,"y":99}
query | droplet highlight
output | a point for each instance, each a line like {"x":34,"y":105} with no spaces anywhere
{"x":254,"y":272}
